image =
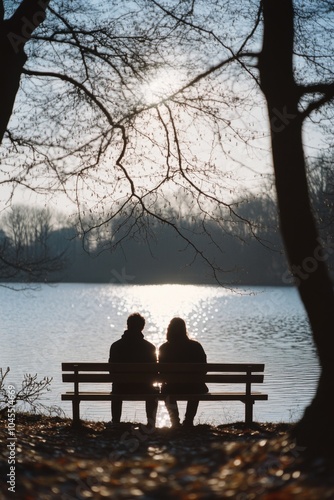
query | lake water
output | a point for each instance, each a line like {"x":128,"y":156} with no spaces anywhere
{"x":42,"y":328}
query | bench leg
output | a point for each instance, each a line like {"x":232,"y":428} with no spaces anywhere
{"x":249,"y":411}
{"x":76,"y":411}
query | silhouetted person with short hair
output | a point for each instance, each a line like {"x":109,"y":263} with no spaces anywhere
{"x":179,"y":348}
{"x":132,"y":347}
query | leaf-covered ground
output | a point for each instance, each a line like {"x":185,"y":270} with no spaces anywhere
{"x":53,"y":460}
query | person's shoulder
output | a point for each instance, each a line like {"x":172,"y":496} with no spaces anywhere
{"x":117,"y":343}
{"x":149,"y":344}
{"x":196,"y":344}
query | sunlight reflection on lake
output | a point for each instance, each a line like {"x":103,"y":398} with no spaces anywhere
{"x":78,"y":322}
{"x":160,"y":303}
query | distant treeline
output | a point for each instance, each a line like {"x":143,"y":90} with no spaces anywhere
{"x":38,"y":245}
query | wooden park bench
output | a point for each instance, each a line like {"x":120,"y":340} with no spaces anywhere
{"x":243,"y":374}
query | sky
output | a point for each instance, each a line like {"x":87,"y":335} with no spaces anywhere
{"x":229,"y":156}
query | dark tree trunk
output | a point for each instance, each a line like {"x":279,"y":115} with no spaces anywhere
{"x":306,"y":255}
{"x":14,"y":33}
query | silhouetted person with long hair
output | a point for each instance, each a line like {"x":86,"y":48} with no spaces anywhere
{"x":179,"y":348}
{"x":132,"y":347}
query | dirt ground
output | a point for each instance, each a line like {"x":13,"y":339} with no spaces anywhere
{"x":96,"y":461}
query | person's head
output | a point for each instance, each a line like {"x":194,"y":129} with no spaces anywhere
{"x":177,"y":330}
{"x":136,"y":322}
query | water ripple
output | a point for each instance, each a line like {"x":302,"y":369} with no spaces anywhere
{"x":77,"y":322}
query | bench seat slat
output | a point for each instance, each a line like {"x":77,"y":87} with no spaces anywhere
{"x":209,"y":396}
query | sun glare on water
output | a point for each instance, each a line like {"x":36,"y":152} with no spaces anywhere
{"x":160,"y":303}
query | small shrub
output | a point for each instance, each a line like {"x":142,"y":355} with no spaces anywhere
{"x":28,"y":394}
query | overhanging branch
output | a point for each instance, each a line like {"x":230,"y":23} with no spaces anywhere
{"x":327,"y":91}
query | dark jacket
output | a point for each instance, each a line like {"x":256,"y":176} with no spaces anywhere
{"x":183,"y":351}
{"x":132,"y":348}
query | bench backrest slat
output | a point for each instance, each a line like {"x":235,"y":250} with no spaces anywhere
{"x":163,"y":367}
